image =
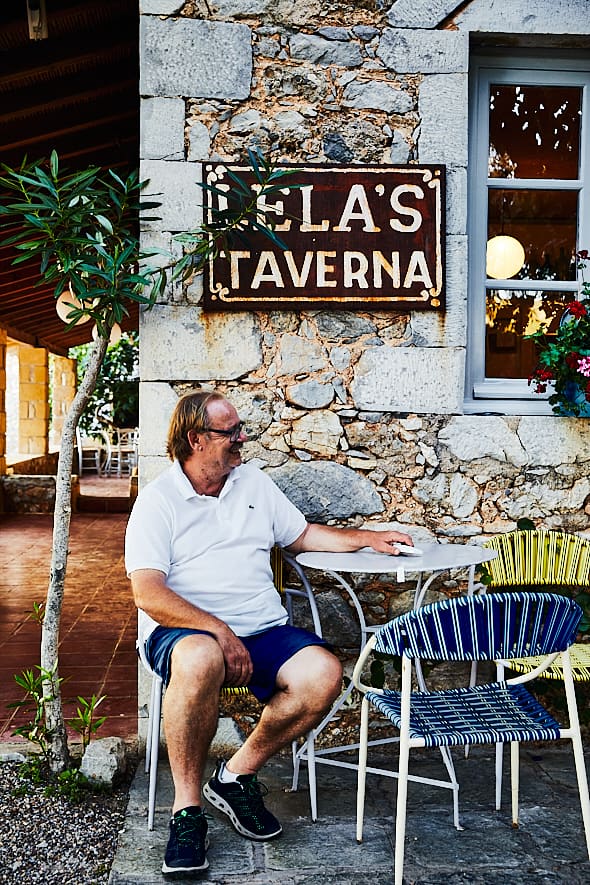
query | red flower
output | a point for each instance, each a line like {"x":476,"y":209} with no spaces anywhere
{"x":572,"y":360}
{"x":543,"y":374}
{"x":582,"y":254}
{"x":577,"y":309}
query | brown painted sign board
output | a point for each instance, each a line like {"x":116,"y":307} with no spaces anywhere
{"x":356,"y":237}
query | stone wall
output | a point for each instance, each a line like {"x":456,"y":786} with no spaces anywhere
{"x":357,"y":415}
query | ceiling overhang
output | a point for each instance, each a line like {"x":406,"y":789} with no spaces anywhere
{"x":76,"y":92}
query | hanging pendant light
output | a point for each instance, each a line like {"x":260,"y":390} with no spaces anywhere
{"x":115,"y":335}
{"x":64,"y":305}
{"x":504,"y":257}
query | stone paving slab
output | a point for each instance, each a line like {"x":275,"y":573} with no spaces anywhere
{"x":547,"y":849}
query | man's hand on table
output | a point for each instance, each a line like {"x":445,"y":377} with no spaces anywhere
{"x":385,"y":542}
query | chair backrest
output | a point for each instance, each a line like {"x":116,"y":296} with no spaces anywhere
{"x":125,"y":436}
{"x":488,"y":627}
{"x":539,"y":558}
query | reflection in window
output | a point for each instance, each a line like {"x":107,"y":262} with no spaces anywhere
{"x":510,"y":315}
{"x":534,"y":138}
{"x":544,"y":222}
{"x":534,"y":131}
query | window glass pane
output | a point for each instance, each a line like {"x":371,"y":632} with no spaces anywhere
{"x":544,"y":222}
{"x":534,"y":131}
{"x":511,"y":314}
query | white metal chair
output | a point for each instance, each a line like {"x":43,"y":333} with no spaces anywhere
{"x":124,"y":450}
{"x":94,"y":452}
{"x":485,"y":628}
{"x":157,"y":691}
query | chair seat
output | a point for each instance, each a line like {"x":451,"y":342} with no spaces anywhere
{"x":579,"y":656}
{"x":482,"y":714}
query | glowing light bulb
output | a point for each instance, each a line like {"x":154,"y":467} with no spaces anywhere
{"x":504,"y":257}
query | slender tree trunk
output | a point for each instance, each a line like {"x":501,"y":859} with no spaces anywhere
{"x":59,"y":757}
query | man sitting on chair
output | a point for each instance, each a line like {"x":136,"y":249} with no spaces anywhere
{"x":197,"y":551}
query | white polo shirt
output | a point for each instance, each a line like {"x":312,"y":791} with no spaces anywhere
{"x":215,"y":551}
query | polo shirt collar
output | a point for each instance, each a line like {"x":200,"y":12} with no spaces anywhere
{"x":185,"y":488}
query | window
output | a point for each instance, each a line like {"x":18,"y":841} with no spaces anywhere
{"x":527,"y":217}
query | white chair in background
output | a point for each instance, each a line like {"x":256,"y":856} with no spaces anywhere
{"x":124,"y":450}
{"x":94,"y":452}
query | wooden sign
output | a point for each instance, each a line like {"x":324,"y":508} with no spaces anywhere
{"x":356,"y":237}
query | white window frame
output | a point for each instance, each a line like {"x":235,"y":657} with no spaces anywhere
{"x":504,"y":395}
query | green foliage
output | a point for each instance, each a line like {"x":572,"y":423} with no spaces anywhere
{"x":115,"y":399}
{"x":85,"y":721}
{"x":583,"y":600}
{"x":564,"y":358}
{"x":69,"y":784}
{"x":237,"y":212}
{"x":37,"y":613}
{"x":82,"y":229}
{"x":34,"y":702}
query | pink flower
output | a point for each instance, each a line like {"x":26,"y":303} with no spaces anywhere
{"x":584,"y":366}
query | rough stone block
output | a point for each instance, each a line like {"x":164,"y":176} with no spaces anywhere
{"x":446,"y":328}
{"x":410,"y":379}
{"x":324,"y":52}
{"x":195,"y":58}
{"x":472,"y":438}
{"x":523,"y":17}
{"x":160,"y":7}
{"x":456,"y":210}
{"x":150,"y":468}
{"x":228,"y":738}
{"x":570,"y":440}
{"x":156,"y":403}
{"x":162,"y":129}
{"x":324,"y":490}
{"x":420,"y":13}
{"x":425,"y":52}
{"x":175,"y":186}
{"x":378,"y":95}
{"x":184,"y":344}
{"x":443,"y":107}
{"x":104,"y":760}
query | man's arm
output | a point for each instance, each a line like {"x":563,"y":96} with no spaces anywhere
{"x":156,"y":599}
{"x":330,"y":539}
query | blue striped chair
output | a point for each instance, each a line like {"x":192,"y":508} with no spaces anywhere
{"x":476,"y":628}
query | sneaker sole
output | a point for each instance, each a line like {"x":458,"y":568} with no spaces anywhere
{"x":171,"y":872}
{"x":222,"y":805}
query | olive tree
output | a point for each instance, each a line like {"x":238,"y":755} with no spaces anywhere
{"x":82,"y":229}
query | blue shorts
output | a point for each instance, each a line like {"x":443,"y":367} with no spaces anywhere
{"x":269,"y":651}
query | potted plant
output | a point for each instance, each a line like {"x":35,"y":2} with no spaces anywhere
{"x":564,"y":358}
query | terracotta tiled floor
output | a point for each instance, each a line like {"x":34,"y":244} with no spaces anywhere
{"x":97,"y":645}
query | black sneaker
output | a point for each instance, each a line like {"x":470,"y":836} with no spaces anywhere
{"x":242,"y":801}
{"x":188,"y":842}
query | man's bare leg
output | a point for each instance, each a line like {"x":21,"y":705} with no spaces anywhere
{"x":191,"y":711}
{"x":307,"y":685}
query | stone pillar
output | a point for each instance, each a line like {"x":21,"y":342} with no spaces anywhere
{"x":62,"y":372}
{"x":34,"y":400}
{"x":2,"y":403}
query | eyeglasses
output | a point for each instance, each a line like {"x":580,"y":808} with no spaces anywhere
{"x":233,"y":433}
